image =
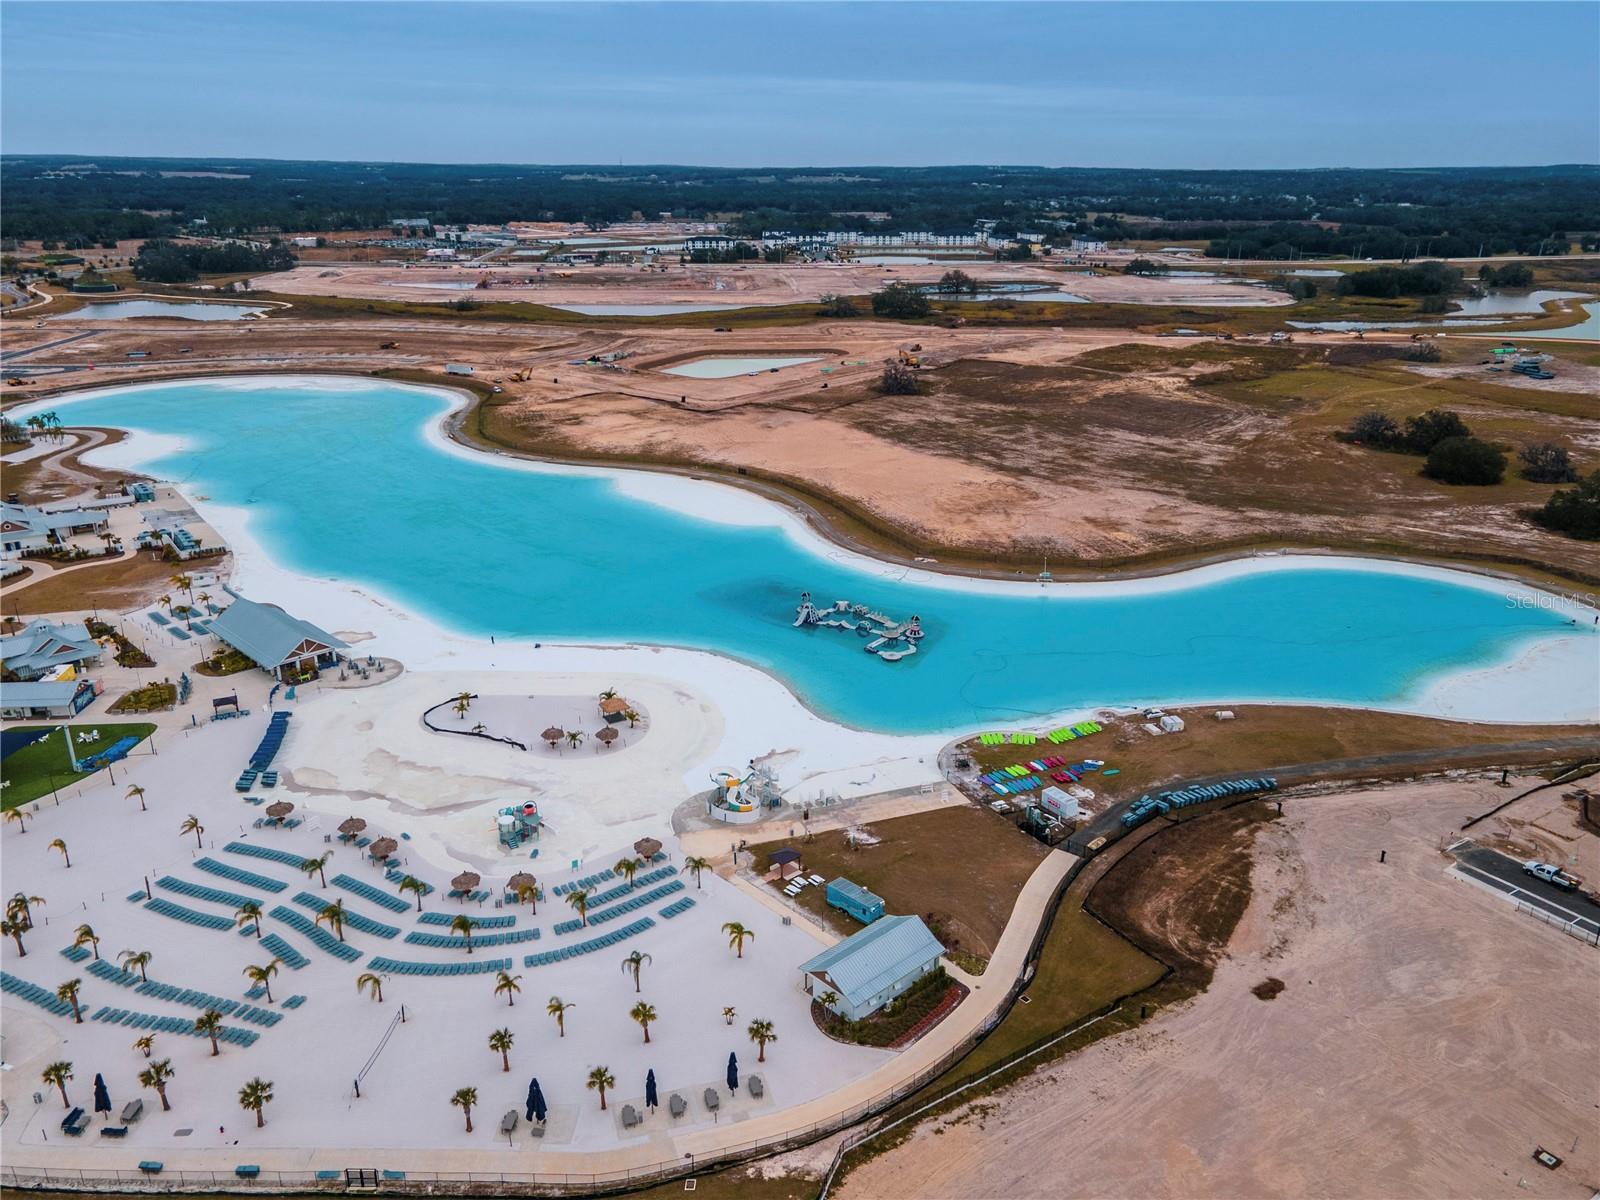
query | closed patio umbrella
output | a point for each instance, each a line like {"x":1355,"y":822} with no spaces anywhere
{"x":647,"y":848}
{"x":102,"y":1098}
{"x":651,"y":1100}
{"x":383,"y":847}
{"x":279,"y":809}
{"x":733,"y":1071}
{"x":351,"y":827}
{"x":536,"y":1106}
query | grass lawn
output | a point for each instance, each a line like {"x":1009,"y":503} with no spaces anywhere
{"x":29,"y":771}
{"x":962,"y":865}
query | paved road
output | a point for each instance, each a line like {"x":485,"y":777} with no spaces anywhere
{"x":9,"y":355}
{"x":1505,"y":874}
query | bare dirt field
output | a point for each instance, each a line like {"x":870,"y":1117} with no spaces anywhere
{"x":1413,"y":1036}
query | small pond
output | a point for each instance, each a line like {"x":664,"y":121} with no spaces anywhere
{"x":727,"y":368}
{"x":127,"y":310}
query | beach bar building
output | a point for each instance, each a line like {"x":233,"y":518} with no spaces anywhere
{"x":58,"y":699}
{"x":290,"y":648}
{"x":854,"y":899}
{"x":870,"y":968}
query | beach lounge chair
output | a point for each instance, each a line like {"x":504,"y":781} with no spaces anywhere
{"x":247,"y":1171}
{"x":73,"y":1123}
{"x":114,"y":1131}
{"x":677,"y":1105}
{"x":151,"y":1167}
{"x":713,"y":1101}
{"x":630,"y":1117}
{"x":509,"y":1121}
{"x":756,"y":1087}
{"x":132,"y":1111}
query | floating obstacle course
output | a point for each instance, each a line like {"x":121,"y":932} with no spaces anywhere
{"x":889,"y":639}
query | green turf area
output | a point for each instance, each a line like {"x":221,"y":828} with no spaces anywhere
{"x":31,"y":771}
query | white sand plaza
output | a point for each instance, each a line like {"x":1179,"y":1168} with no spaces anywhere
{"x":314,"y":1049}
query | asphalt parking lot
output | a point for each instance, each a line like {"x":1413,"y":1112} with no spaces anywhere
{"x":1504,"y":874}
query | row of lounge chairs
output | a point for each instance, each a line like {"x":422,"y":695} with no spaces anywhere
{"x":265,"y":822}
{"x":441,"y":941}
{"x":1147,"y":806}
{"x":231,"y":1034}
{"x":367,"y":892}
{"x":477,"y":896}
{"x":677,"y":908}
{"x":283,"y":951}
{"x":240,"y":875}
{"x":166,"y":908}
{"x":75,"y":953}
{"x":588,"y":881}
{"x":13,"y":985}
{"x":395,"y":875}
{"x":478,"y":966}
{"x":287,"y":857}
{"x":616,"y":910}
{"x":198,"y":891}
{"x":277,"y":728}
{"x":444,"y":918}
{"x":190,"y":997}
{"x":616,"y":893}
{"x":562,"y":953}
{"x":294,"y":1001}
{"x":354,"y":920}
{"x":318,"y":935}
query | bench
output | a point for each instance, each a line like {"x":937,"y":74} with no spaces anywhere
{"x":247,"y":1171}
{"x":114,"y":1131}
{"x":75,"y":1122}
{"x":151,"y":1167}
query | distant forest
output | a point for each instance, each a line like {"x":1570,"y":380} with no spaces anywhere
{"x":82,"y":202}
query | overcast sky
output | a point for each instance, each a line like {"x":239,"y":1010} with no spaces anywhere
{"x":800,"y":84}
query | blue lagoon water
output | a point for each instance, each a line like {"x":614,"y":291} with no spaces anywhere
{"x":343,"y":482}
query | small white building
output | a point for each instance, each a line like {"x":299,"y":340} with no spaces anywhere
{"x":870,"y":968}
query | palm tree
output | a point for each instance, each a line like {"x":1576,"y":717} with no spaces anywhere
{"x":262,"y":976}
{"x":508,"y":984}
{"x":462,"y":704}
{"x":761,"y":1033}
{"x":254,"y":1097}
{"x":60,"y":845}
{"x":631,"y":717}
{"x":462,"y":924}
{"x":136,"y":960}
{"x":68,"y":992}
{"x":333,"y":914}
{"x":191,"y":824}
{"x":165,"y":602}
{"x":20,"y":906}
{"x":210,"y":1024}
{"x":633,"y":963}
{"x":530,"y":893}
{"x":249,"y":913}
{"x":137,"y":792}
{"x":580,"y":901}
{"x":738,"y":935}
{"x":500,"y":1041}
{"x":85,"y":936}
{"x":599,"y":1080}
{"x":412,"y":884}
{"x":146,"y":1044}
{"x":20,"y":817}
{"x":374,"y":982}
{"x":14,"y":930}
{"x":183,"y":583}
{"x":204,"y":598}
{"x":575,"y":738}
{"x":627,"y":868}
{"x":644,"y":1014}
{"x":557,"y":1008}
{"x":697,"y":865}
{"x":156,"y":1076}
{"x":58,"y":1073}
{"x":318,"y":866}
{"x":728,"y":1014}
{"x":464,"y":1099}
{"x":609,"y":694}
{"x":828,"y":998}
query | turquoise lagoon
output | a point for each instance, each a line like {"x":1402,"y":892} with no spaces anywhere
{"x":344,"y":480}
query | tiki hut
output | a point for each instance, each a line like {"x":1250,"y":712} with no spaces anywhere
{"x":279,"y":809}
{"x":614,"y":709}
{"x":465,"y":882}
{"x":553,"y":735}
{"x":647,"y":848}
{"x":383,"y":847}
{"x":607,"y":736}
{"x":520,"y":880}
{"x":351,"y":827}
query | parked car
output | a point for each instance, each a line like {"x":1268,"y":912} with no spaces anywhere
{"x":1552,"y":875}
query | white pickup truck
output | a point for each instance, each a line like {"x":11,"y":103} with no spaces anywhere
{"x":1552,"y":874}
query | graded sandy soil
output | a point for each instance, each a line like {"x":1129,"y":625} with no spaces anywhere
{"x":1426,"y":1039}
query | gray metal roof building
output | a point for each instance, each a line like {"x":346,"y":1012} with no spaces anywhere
{"x":870,"y":968}
{"x":274,"y":639}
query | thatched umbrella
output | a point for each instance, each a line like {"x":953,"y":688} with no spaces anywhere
{"x":279,"y":809}
{"x":351,"y":827}
{"x":466,"y":881}
{"x":553,"y":735}
{"x":519,"y":881}
{"x":647,"y":848}
{"x":608,"y":735}
{"x":383,"y":847}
